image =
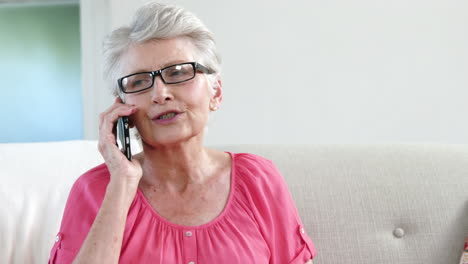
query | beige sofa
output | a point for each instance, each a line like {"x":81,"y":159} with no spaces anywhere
{"x":360,"y":203}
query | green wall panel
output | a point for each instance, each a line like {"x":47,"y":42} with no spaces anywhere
{"x":40,"y":73}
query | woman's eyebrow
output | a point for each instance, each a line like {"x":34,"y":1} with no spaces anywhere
{"x":140,"y":70}
{"x":172,"y":62}
{"x":161,"y":66}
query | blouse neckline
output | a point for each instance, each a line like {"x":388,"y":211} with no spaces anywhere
{"x":140,"y":196}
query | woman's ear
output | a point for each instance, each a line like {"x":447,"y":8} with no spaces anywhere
{"x":217,"y":97}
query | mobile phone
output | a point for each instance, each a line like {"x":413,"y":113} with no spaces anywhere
{"x":123,"y":135}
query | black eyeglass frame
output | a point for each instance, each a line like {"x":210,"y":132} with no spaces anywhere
{"x":196,"y":67}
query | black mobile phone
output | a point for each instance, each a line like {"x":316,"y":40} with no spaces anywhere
{"x":123,"y":136}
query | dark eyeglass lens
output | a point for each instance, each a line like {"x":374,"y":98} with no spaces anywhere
{"x":178,"y":73}
{"x":137,"y":82}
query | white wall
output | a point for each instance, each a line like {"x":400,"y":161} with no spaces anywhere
{"x":94,"y":25}
{"x":334,"y":71}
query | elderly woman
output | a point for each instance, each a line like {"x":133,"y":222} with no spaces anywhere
{"x":176,"y":201}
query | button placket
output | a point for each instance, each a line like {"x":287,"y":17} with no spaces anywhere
{"x":190,"y":247}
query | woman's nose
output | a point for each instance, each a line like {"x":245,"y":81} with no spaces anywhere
{"x":160,"y":93}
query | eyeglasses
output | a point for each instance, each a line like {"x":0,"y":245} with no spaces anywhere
{"x":173,"y":74}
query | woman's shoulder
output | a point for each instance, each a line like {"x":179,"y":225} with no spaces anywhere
{"x":93,"y":182}
{"x":252,"y":161}
{"x":255,"y":169}
{"x":97,"y":175}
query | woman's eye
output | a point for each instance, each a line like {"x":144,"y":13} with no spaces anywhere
{"x":175,"y":73}
{"x":138,"y":83}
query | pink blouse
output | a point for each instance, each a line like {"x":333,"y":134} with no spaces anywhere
{"x":259,"y":224}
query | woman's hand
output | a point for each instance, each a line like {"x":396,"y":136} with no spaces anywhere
{"x":124,"y":173}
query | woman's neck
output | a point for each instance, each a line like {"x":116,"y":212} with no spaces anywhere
{"x":176,"y":167}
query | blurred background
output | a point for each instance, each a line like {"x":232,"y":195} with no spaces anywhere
{"x":294,"y":72}
{"x":40,"y":72}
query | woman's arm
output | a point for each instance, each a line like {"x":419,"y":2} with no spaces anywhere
{"x":309,"y":262}
{"x":104,"y":240}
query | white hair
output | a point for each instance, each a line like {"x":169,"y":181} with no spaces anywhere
{"x":155,"y":21}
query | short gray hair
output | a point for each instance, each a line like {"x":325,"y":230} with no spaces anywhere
{"x":159,"y":21}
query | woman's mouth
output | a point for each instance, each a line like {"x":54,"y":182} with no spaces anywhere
{"x":167,"y":118}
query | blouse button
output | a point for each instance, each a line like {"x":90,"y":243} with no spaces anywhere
{"x":57,"y":238}
{"x":191,"y":262}
{"x":399,"y":233}
{"x":302,"y":230}
{"x":189,"y":234}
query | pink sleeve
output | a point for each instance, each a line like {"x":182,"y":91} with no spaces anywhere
{"x":83,"y":203}
{"x":278,"y":218}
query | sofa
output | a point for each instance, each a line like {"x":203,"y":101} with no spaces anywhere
{"x":360,"y":204}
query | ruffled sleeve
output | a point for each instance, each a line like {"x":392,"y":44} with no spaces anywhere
{"x":82,"y":206}
{"x":276,"y":213}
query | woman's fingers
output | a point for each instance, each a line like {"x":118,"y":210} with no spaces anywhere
{"x":107,"y":124}
{"x":109,"y":119}
{"x":117,"y":104}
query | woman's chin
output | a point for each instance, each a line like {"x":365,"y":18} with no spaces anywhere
{"x":162,"y":142}
{"x":165,"y":141}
